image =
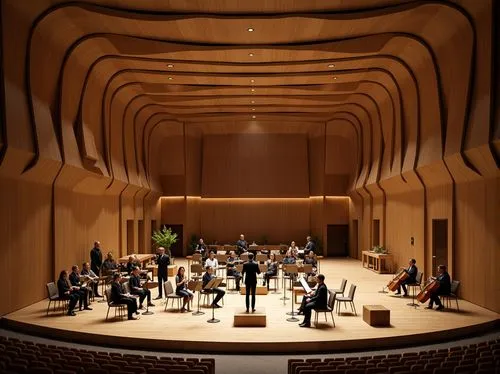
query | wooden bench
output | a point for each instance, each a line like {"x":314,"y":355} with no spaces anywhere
{"x":255,"y":319}
{"x":376,"y":315}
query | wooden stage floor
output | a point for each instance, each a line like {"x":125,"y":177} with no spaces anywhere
{"x":173,"y":331}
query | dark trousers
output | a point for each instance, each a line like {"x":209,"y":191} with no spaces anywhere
{"x":403,"y":285}
{"x":267,"y":275}
{"x":83,"y":297}
{"x":162,"y":277}
{"x":435,"y":299}
{"x":73,"y":299}
{"x":142,"y":295}
{"x":308,"y":307}
{"x":219,"y":294}
{"x":250,"y":288}
{"x":131,"y":305}
{"x":237,"y":278}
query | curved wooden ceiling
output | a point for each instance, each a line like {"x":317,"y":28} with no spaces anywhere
{"x":101,"y":75}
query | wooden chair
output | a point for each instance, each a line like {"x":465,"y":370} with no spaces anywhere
{"x":341,"y":290}
{"x":122,"y":308}
{"x":54,"y":298}
{"x":260,"y":257}
{"x":347,"y":299}
{"x":418,"y":282}
{"x":196,"y":269}
{"x":244,"y":257}
{"x":453,"y":294}
{"x":170,"y":294}
{"x":329,"y":308}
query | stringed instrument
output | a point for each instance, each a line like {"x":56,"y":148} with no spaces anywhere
{"x":394,"y":284}
{"x":426,"y":292}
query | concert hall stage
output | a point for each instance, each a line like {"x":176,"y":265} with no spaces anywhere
{"x":174,"y":331}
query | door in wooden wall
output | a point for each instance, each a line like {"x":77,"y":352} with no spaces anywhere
{"x":337,"y":238}
{"x":376,"y":232}
{"x":140,"y":235}
{"x":176,"y":249}
{"x":130,"y":237}
{"x":354,"y":238}
{"x":439,"y":243}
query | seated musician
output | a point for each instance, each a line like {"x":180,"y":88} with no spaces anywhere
{"x":132,"y":263}
{"x":231,"y":269}
{"x":272,"y":269}
{"x":74,"y":279}
{"x":207,"y":277}
{"x":241,"y":245}
{"x":181,"y":289}
{"x":317,"y":299}
{"x":109,"y":265}
{"x":444,"y":288}
{"x":289,"y":259}
{"x":412,"y":277}
{"x":201,"y":248}
{"x":212,"y":261}
{"x":68,"y":292}
{"x":310,"y":259}
{"x":118,"y":297}
{"x":136,"y":288}
{"x":293,"y":250}
{"x":91,"y":278}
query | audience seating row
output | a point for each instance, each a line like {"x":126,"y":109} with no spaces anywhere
{"x":475,"y":358}
{"x":27,"y":357}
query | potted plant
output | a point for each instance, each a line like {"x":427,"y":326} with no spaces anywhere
{"x":379,"y":249}
{"x":164,"y":238}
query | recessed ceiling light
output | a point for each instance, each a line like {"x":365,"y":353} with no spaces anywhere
{"x":170,"y":66}
{"x":253,"y":90}
{"x":170,"y":78}
{"x":250,"y":29}
{"x":334,"y":78}
{"x":331,"y":66}
{"x":253,"y":101}
{"x":254,"y":117}
{"x":253,"y":108}
{"x":252,"y":80}
{"x":250,"y":54}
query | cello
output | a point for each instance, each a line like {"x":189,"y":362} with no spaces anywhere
{"x":397,"y":280}
{"x":426,"y":292}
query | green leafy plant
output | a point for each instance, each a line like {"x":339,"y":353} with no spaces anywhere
{"x":194,"y":242}
{"x":164,"y":237}
{"x":379,"y":249}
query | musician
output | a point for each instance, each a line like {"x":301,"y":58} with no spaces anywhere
{"x":118,"y":297}
{"x":92,"y":278}
{"x":181,"y":289}
{"x":444,"y":287}
{"x":310,"y":259}
{"x":241,"y":245}
{"x":272,"y":269}
{"x":251,"y":269}
{"x":316,"y":300}
{"x":310,"y":245}
{"x":163,"y":260}
{"x":231,"y":269}
{"x":136,"y":288}
{"x":412,"y":277}
{"x":201,"y":248}
{"x":109,"y":265}
{"x":293,"y":250}
{"x":212,"y":261}
{"x":96,"y":258}
{"x":67,"y":292}
{"x":207,"y":277}
{"x":287,"y":261}
{"x":74,"y":279}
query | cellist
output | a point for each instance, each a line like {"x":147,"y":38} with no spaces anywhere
{"x":412,"y":277}
{"x":444,"y":287}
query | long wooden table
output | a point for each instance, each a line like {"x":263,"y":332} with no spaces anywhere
{"x":376,"y":261}
{"x":142,"y":258}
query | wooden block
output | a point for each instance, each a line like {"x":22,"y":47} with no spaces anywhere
{"x":261,"y":290}
{"x":376,"y":315}
{"x":172,"y":270}
{"x":255,"y":319}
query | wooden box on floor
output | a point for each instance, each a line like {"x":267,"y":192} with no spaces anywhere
{"x":255,"y":319}
{"x":261,"y":290}
{"x":376,"y":315}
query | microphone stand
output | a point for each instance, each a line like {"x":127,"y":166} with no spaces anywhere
{"x":198,"y":312}
{"x":213,"y":319}
{"x":284,"y":298}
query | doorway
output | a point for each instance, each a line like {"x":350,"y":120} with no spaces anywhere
{"x":140,"y":235}
{"x":337,"y":239}
{"x":130,"y":237}
{"x":176,"y":248}
{"x":376,"y":232}
{"x":354,"y":238}
{"x":439,"y":243}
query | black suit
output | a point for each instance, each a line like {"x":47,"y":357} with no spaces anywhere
{"x":220,"y":293}
{"x":118,"y":297}
{"x":412,"y":272}
{"x":241,"y":246}
{"x":318,"y":301}
{"x":82,"y":291}
{"x":163,"y":261}
{"x":250,"y":271}
{"x":72,"y":296}
{"x":310,"y":246}
{"x":95,"y":260}
{"x":444,"y":288}
{"x":136,"y":289}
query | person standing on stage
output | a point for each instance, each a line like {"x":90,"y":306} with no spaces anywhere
{"x":310,"y":245}
{"x":314,"y":301}
{"x":162,"y":260}
{"x":96,"y":258}
{"x":250,"y":271}
{"x":241,"y":245}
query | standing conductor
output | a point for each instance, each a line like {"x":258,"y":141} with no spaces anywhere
{"x":250,"y":271}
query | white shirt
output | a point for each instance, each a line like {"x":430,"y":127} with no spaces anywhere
{"x":212,"y":263}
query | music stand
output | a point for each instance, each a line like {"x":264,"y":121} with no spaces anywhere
{"x":210,"y":287}
{"x":383,"y":288}
{"x":283,"y":271}
{"x":146,"y":285}
{"x":293,"y":270}
{"x":196,"y":286}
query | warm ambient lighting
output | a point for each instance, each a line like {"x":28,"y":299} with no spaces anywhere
{"x":173,"y":197}
{"x":250,"y":29}
{"x":252,"y":80}
{"x":170,"y":78}
{"x":253,"y":108}
{"x":253,"y":90}
{"x":250,"y":54}
{"x":253,"y":101}
{"x":334,"y":78}
{"x":256,"y":198}
{"x":170,"y":66}
{"x":254,"y":117}
{"x":331,"y":66}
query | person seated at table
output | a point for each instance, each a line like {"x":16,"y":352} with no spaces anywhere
{"x":241,"y":245}
{"x":118,"y":297}
{"x":181,"y":289}
{"x":317,"y":299}
{"x":212,"y":261}
{"x":293,"y":250}
{"x":310,"y":259}
{"x":91,"y":278}
{"x":272,"y":269}
{"x":231,"y":269}
{"x":201,"y":248}
{"x":132,"y":263}
{"x":412,"y":271}
{"x":136,"y":288}
{"x":68,"y":292}
{"x":109,"y":265}
{"x":74,"y":279}
{"x":207,"y":277}
{"x":444,"y":287}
